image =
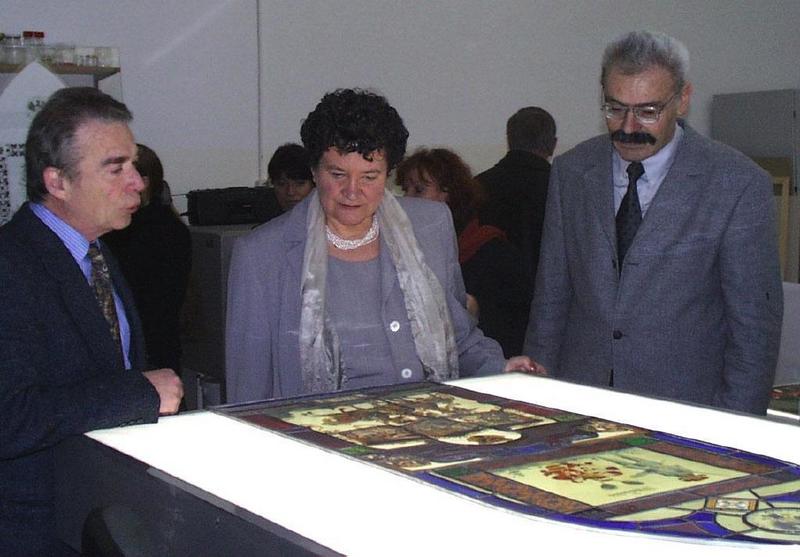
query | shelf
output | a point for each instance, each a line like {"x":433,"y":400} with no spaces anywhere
{"x":98,"y":72}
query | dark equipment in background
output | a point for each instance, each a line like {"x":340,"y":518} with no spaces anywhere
{"x":236,"y":205}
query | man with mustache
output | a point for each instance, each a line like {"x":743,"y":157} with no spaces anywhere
{"x":659,"y":266}
{"x":72,"y":351}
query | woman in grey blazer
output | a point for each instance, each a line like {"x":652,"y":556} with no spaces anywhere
{"x":352,"y":288}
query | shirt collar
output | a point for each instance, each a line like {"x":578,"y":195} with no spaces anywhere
{"x":72,"y":239}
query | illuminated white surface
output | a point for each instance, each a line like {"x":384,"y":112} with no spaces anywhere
{"x":360,"y":509}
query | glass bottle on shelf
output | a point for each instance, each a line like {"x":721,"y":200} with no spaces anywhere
{"x":31,"y":45}
{"x":64,"y":54}
{"x":13,"y":51}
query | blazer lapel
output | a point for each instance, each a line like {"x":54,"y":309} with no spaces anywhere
{"x":600,"y":190}
{"x":675,"y":194}
{"x":75,"y":292}
{"x":295,"y":242}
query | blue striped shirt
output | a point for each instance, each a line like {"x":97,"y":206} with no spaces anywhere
{"x":78,"y":247}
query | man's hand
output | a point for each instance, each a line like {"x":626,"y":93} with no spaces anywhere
{"x":169,"y":387}
{"x":524,"y":364}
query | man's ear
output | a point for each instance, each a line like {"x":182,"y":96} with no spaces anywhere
{"x":54,"y":181}
{"x":683,"y":104}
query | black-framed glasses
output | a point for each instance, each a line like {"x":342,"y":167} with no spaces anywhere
{"x":644,"y":114}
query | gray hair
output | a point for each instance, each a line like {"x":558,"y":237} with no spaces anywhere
{"x":52,"y":139}
{"x":637,"y":51}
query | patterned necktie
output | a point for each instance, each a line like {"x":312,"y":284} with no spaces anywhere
{"x":629,"y":215}
{"x":104,"y":290}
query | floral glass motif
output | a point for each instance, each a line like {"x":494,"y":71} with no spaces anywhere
{"x":550,"y":463}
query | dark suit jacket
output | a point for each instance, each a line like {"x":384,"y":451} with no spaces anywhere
{"x":502,"y":289}
{"x":60,"y":373}
{"x":695,"y":313}
{"x":516,"y":189}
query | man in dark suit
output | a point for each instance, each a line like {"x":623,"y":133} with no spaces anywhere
{"x":71,"y":346}
{"x":659,"y":264}
{"x":516,"y":187}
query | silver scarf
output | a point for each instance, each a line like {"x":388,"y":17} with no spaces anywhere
{"x":431,"y":327}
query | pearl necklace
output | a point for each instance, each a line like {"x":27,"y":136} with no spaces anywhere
{"x":347,"y":245}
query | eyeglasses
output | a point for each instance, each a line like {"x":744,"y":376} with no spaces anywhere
{"x":644,"y":114}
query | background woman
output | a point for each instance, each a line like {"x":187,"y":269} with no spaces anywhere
{"x":290,"y":175}
{"x":493,"y":269}
{"x":155,"y":254}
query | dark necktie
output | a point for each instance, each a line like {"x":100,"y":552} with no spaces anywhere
{"x":629,"y":215}
{"x":104,"y":290}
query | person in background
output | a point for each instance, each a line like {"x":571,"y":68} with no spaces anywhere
{"x":659,"y":268}
{"x":491,"y":266}
{"x":353,"y":287}
{"x":290,"y":175}
{"x":71,"y":347}
{"x":155,"y":255}
{"x":516,"y":187}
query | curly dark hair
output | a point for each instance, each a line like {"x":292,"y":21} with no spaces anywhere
{"x":464,"y":193}
{"x":354,"y":120}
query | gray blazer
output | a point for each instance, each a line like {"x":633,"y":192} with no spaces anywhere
{"x":695,"y":313}
{"x":263,"y":320}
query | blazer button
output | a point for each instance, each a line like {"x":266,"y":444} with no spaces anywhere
{"x":617,"y":334}
{"x":394,"y":326}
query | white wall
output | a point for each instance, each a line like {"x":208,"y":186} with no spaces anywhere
{"x":455,"y":69}
{"x":188,"y":74}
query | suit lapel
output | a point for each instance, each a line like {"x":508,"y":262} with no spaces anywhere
{"x":295,"y":240}
{"x":676,"y":192}
{"x":600,"y":187}
{"x":75,"y":292}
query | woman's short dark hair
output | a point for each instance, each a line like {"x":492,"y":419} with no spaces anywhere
{"x":51,"y":137}
{"x":354,"y":120}
{"x":149,"y":166}
{"x":290,"y":160}
{"x":452,"y":175}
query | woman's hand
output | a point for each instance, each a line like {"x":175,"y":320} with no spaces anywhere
{"x":524,"y":364}
{"x":472,"y":306}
